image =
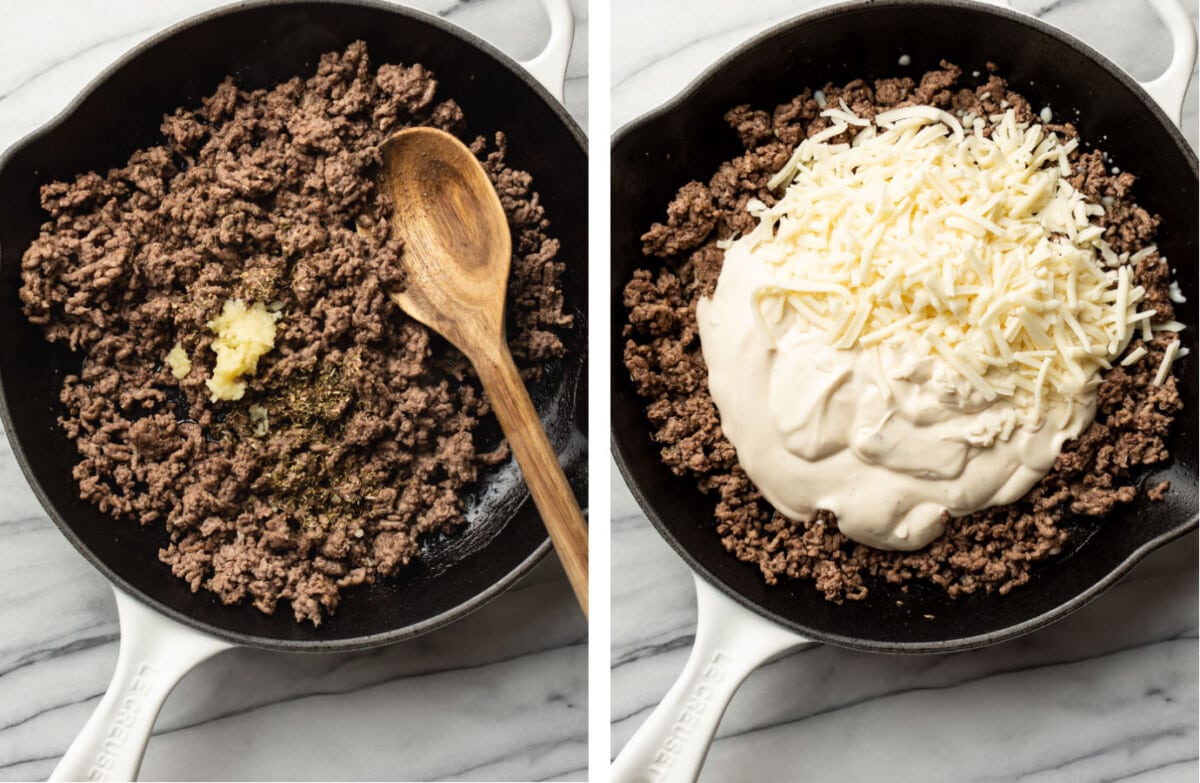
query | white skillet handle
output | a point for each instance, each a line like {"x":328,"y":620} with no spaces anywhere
{"x":731,"y":642}
{"x":1170,"y":89}
{"x":550,"y":67}
{"x":155,"y":654}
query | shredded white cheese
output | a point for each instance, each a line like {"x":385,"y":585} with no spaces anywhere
{"x":1134,"y":356}
{"x":1164,"y":366}
{"x":922,"y":231}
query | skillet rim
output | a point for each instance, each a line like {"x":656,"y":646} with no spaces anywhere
{"x":959,"y":644}
{"x":317,"y":645}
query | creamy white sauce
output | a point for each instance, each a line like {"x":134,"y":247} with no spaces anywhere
{"x":884,"y":437}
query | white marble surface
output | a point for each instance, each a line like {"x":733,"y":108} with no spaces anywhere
{"x":1110,"y":693}
{"x":501,"y":695}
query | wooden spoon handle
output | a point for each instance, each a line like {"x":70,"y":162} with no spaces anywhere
{"x":551,"y":492}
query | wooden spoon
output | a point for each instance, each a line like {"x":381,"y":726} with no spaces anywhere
{"x":457,"y":252}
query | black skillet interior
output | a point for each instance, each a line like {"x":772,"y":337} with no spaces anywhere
{"x":262,"y":45}
{"x":687,"y":139}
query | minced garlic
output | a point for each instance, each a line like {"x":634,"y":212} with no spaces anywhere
{"x":260,"y":421}
{"x":243,"y":336}
{"x":178,"y":361}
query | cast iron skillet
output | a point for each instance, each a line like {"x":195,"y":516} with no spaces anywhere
{"x":261,"y":44}
{"x":120,"y":112}
{"x":687,"y":139}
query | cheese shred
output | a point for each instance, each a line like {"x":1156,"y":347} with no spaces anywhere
{"x":1164,"y":368}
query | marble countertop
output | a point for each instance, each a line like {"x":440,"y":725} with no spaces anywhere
{"x":501,"y":695}
{"x":1110,"y":693}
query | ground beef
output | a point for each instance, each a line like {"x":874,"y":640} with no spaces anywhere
{"x":992,"y":550}
{"x":259,"y":195}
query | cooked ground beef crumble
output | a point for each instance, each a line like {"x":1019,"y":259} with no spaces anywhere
{"x":257,"y":195}
{"x":992,"y":550}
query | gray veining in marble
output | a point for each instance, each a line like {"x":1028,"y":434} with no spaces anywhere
{"x":1110,"y":693}
{"x":501,"y":695}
